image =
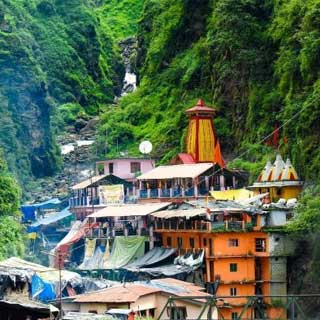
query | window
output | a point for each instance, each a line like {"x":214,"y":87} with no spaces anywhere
{"x":234,"y":316}
{"x":110,"y":168}
{"x":204,"y":242}
{"x":261,"y":245}
{"x":233,"y":243}
{"x":210,"y":247}
{"x":93,"y":311}
{"x":233,"y":267}
{"x":135,"y":167}
{"x":180,"y":242}
{"x":191,"y":240}
{"x":169,"y":241}
{"x":233,"y":291}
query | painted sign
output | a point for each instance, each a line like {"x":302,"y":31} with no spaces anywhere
{"x":111,"y":194}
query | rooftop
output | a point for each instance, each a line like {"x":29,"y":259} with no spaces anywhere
{"x":176,"y":171}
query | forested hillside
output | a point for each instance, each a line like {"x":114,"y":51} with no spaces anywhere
{"x":57,"y":59}
{"x":256,"y":62}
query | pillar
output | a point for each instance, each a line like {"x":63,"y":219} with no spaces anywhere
{"x":222,"y":183}
{"x":234,"y":182}
{"x":206,"y":179}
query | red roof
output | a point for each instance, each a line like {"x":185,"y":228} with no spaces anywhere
{"x":118,"y":294}
{"x":200,"y":107}
{"x":186,"y":158}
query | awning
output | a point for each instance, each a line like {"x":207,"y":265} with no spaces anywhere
{"x":235,"y":194}
{"x":166,"y":214}
{"x":50,"y":219}
{"x":129,"y":210}
{"x":176,"y":171}
{"x":88,"y":182}
{"x":152,"y":257}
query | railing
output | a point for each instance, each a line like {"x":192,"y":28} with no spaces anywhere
{"x":231,"y":225}
{"x":183,"y":225}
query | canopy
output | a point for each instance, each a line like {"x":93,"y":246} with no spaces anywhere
{"x":176,"y":171}
{"x":167,"y":214}
{"x":234,"y":194}
{"x":129,"y":210}
{"x":152,"y":257}
{"x":50,"y":219}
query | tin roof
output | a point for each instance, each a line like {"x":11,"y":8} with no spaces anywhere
{"x":130,"y":292}
{"x":176,"y":171}
{"x":200,"y":108}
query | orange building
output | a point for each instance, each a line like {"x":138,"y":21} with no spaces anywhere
{"x":241,"y":257}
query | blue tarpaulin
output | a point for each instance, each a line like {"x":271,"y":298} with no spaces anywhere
{"x":28,"y":211}
{"x":48,"y":220}
{"x":42,"y":290}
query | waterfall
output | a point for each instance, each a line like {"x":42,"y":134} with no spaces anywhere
{"x":128,"y":52}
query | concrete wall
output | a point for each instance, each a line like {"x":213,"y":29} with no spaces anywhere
{"x":278,"y":269}
{"x":277,"y":218}
{"x":281,"y":244}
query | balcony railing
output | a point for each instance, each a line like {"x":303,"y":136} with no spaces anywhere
{"x":173,"y":225}
{"x":231,"y":225}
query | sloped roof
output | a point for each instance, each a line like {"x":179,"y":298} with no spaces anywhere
{"x":86,"y":183}
{"x":130,"y":292}
{"x":186,"y":158}
{"x":200,"y":107}
{"x":176,"y":171}
{"x":128,"y":210}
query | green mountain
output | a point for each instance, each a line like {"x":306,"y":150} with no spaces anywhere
{"x":57,"y":59}
{"x":256,"y":62}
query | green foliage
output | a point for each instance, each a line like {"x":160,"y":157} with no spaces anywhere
{"x":58,"y":59}
{"x":11,"y":242}
{"x":307,"y":215}
{"x":256,"y":62}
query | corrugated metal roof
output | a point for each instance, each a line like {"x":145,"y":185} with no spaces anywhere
{"x":117,"y":294}
{"x":88,"y":182}
{"x":176,"y":171}
{"x":166,"y":214}
{"x":129,"y":210}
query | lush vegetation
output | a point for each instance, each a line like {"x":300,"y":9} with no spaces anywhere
{"x":11,"y":242}
{"x":256,"y":62}
{"x":58,"y":59}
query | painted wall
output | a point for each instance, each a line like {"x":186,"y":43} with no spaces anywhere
{"x":122,"y":167}
{"x":245,"y":269}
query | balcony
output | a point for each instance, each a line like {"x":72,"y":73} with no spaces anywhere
{"x":186,"y":225}
{"x":231,"y":226}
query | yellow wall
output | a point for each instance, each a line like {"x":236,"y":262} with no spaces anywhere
{"x":283,"y":192}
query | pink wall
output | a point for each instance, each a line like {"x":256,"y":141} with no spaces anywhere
{"x":122,"y":167}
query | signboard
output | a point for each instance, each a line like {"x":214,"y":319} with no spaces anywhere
{"x":111,"y":194}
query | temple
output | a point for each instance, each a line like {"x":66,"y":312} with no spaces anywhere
{"x":202,"y":143}
{"x":279,"y":179}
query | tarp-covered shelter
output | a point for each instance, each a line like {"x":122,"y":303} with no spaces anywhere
{"x":53,"y":218}
{"x":124,"y":250}
{"x":155,"y":256}
{"x":29,"y":210}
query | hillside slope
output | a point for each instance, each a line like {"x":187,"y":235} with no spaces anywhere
{"x":58,"y":59}
{"x":256,"y":62}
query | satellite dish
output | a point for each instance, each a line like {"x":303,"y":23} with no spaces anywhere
{"x":145,"y":147}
